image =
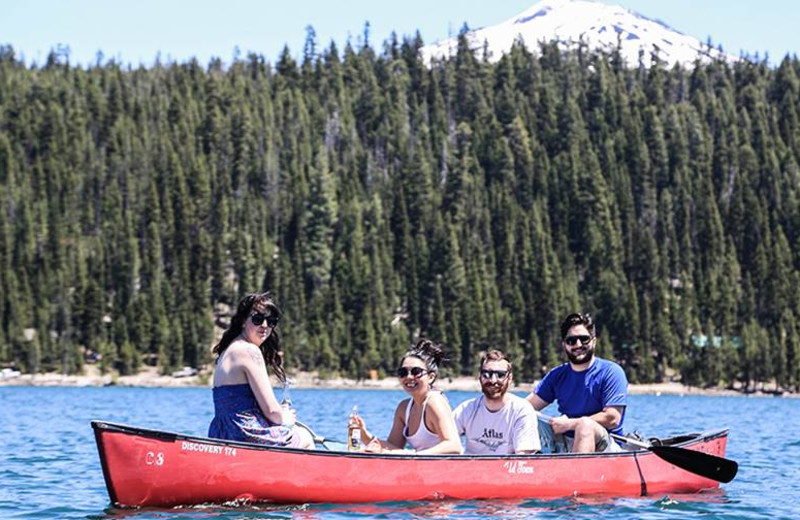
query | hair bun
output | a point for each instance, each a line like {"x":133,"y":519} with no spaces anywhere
{"x":431,"y":350}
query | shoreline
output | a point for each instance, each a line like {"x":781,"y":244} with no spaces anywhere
{"x":149,"y":377}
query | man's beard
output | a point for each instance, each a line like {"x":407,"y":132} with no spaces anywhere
{"x":492,"y":391}
{"x":581,"y":359}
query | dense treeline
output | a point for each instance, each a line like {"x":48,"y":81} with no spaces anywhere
{"x":476,"y":203}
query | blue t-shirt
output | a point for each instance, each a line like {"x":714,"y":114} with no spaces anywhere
{"x":580,"y":394}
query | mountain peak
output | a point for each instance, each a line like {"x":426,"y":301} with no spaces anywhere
{"x":598,"y":25}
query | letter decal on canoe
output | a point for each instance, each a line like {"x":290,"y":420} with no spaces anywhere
{"x":517,"y":467}
{"x":208,"y":448}
{"x":154,"y":459}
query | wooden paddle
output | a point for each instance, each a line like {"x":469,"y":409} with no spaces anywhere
{"x":697,"y":462}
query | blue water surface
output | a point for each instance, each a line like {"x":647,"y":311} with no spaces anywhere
{"x":49,"y":467}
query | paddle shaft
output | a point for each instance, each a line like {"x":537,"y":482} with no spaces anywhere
{"x":632,"y":442}
{"x":318,"y":439}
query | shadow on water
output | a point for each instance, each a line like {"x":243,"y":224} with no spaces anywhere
{"x":573,"y":507}
{"x":203,"y":511}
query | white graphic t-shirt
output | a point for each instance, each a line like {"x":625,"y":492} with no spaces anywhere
{"x":511,"y":429}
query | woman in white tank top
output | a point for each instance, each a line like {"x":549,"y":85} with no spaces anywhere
{"x":425,"y":420}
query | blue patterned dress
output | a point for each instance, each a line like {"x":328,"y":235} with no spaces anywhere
{"x":237,"y":417}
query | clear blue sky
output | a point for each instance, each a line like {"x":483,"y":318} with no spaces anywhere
{"x":135,"y":31}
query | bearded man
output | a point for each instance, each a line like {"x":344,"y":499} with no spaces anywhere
{"x":497,"y":423}
{"x":592,"y":392}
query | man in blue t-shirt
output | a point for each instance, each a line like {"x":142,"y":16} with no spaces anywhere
{"x":592,"y":393}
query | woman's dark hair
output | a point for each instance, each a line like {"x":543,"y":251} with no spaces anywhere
{"x":271,"y":347}
{"x":432,"y":354}
{"x":577,"y":319}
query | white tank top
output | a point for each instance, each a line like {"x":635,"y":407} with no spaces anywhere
{"x":423,"y":438}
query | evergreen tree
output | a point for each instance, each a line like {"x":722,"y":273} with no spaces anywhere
{"x":382,"y":198}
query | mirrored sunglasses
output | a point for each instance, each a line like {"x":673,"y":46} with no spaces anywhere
{"x":489,"y":374}
{"x":583,"y":339}
{"x":414,"y":371}
{"x":259,"y":318}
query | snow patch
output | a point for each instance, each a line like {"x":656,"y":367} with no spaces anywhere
{"x":572,"y":21}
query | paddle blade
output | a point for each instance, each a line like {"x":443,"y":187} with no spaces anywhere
{"x":703,"y":464}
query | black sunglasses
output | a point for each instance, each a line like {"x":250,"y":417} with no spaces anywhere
{"x":584,"y":339}
{"x":488,"y":374}
{"x":258,"y":318}
{"x":414,"y":371}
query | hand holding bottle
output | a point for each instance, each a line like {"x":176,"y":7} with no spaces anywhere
{"x":366,"y":437}
{"x":355,"y":426}
{"x":288,"y":413}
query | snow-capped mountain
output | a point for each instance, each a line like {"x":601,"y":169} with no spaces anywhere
{"x":598,"y":25}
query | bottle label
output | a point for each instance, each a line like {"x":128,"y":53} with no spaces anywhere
{"x":355,"y":439}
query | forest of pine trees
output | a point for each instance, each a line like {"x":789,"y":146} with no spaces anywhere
{"x":473,"y":202}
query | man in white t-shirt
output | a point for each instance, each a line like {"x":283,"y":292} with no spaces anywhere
{"x":497,"y":423}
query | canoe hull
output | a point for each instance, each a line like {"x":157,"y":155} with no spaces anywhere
{"x":152,"y":468}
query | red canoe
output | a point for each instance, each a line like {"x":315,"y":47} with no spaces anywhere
{"x":155,"y":468}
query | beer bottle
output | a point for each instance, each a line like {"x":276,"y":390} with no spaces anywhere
{"x":287,"y":414}
{"x":353,"y":431}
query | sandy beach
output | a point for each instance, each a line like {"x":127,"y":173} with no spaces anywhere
{"x":149,"y":377}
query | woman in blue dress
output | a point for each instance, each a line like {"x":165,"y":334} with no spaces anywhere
{"x":245,"y":406}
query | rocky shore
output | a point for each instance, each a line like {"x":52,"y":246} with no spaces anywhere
{"x":149,"y":377}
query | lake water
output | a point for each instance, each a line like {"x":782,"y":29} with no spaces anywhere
{"x":49,"y":467}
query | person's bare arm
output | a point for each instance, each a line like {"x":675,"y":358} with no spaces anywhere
{"x":526,"y":433}
{"x":609,"y":418}
{"x":396,"y":440}
{"x":537,"y":402}
{"x":252,"y":362}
